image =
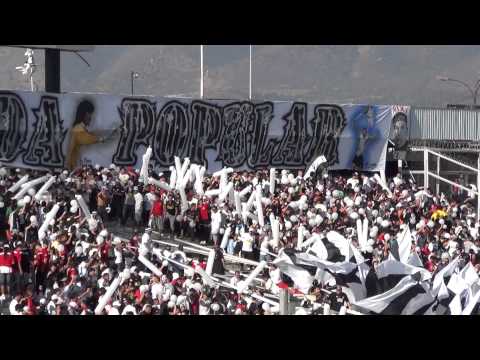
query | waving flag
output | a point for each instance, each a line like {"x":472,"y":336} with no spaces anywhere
{"x":408,"y":297}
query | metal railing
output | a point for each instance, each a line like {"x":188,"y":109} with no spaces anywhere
{"x":436,"y":175}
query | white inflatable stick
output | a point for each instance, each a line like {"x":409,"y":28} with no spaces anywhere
{"x":18,"y":184}
{"x":83,"y":206}
{"x":211,"y":258}
{"x":258,"y":202}
{"x":250,"y":201}
{"x":238,"y":203}
{"x":160,"y":184}
{"x":178,"y":167}
{"x":272,"y":180}
{"x":383,"y":184}
{"x":143,"y":176}
{"x":300,"y":236}
{"x":173,"y":177}
{"x":184,"y":168}
{"x":212,"y":192}
{"x":244,"y":284}
{"x":149,"y":265}
{"x":107,"y":296}
{"x":226,"y":236}
{"x":44,"y":188}
{"x":318,"y":161}
{"x":25,"y":187}
{"x":245,"y":191}
{"x":225,"y":192}
{"x":50,"y":215}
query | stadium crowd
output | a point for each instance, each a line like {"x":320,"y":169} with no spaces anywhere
{"x":67,"y":266}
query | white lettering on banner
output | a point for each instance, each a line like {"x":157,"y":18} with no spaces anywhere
{"x":46,"y":143}
{"x":13,"y":126}
{"x":36,"y":130}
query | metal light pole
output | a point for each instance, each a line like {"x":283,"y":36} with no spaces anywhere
{"x":133,"y":75}
{"x":473,"y":91}
{"x":201,"y":71}
{"x":250,"y":76}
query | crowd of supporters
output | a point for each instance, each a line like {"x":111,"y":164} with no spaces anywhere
{"x":68,"y":267}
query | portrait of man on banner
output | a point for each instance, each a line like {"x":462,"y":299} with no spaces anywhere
{"x":399,"y":134}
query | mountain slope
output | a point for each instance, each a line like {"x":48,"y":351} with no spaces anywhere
{"x":326,"y":73}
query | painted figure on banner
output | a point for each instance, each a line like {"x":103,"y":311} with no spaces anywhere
{"x":365,"y":135}
{"x":80,"y":136}
{"x":400,"y":131}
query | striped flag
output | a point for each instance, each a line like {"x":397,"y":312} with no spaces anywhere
{"x":414,"y":260}
{"x":469,"y":274}
{"x":338,"y":247}
{"x":301,"y":275}
{"x":346,"y":274}
{"x":408,"y":297}
{"x":390,"y":272}
{"x":446,"y":272}
{"x":472,"y":305}
{"x":443,"y":296}
{"x":404,"y":241}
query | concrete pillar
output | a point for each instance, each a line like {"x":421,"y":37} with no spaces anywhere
{"x":52,"y":70}
{"x":283,"y":302}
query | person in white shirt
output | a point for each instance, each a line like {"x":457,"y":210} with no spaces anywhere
{"x":114,"y":309}
{"x":146,"y":242}
{"x":204,"y":305}
{"x":157,"y":288}
{"x":104,"y":281}
{"x":148,"y":201}
{"x":216,"y":221}
{"x":13,"y":305}
{"x":264,"y":249}
{"x":235,"y":279}
{"x":52,"y":305}
{"x":138,"y":197}
{"x":118,"y":252}
{"x":129,"y":309}
{"x":247,"y":245}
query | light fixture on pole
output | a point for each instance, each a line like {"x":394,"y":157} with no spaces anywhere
{"x":250,"y":76}
{"x":29,"y":68}
{"x":473,"y":91}
{"x":201,"y":71}
{"x":133,"y":75}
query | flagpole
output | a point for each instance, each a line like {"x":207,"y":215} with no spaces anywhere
{"x":201,"y":71}
{"x":250,"y":76}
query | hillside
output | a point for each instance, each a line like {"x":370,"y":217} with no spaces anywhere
{"x":327,"y":73}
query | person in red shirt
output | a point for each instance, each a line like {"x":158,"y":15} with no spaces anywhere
{"x":194,"y":302}
{"x":104,"y":251}
{"x":32,"y":309}
{"x":157,"y":215}
{"x":431,"y":264}
{"x":204,"y":217}
{"x":71,"y":271}
{"x":41,"y":265}
{"x":17,"y":267}
{"x":135,"y":239}
{"x":6,"y":266}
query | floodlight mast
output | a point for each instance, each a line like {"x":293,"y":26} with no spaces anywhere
{"x":29,"y":68}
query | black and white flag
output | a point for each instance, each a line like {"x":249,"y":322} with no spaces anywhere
{"x":301,"y":275}
{"x":408,"y":297}
{"x":390,"y":272}
{"x":338,"y":247}
{"x":346,"y":274}
{"x":445,"y":273}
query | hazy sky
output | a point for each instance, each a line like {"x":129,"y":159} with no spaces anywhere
{"x":324,"y":73}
